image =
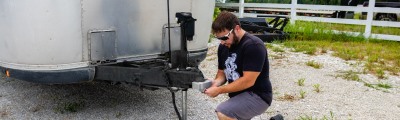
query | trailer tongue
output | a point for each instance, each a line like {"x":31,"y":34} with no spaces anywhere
{"x":123,"y":41}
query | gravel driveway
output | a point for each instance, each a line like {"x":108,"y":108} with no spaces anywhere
{"x":338,"y":98}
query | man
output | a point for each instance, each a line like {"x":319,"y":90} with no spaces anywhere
{"x":243,"y":62}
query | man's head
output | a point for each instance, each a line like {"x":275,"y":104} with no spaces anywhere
{"x":225,"y":28}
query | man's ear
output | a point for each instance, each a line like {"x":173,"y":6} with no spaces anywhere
{"x":237,"y":28}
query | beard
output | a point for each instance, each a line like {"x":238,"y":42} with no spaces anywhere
{"x":235,"y":41}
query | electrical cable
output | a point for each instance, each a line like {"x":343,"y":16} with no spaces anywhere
{"x":170,"y":57}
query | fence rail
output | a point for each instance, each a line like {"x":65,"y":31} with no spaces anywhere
{"x":295,"y":8}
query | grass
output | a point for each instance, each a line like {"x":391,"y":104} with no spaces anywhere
{"x":69,"y":107}
{"x":301,"y":81}
{"x":277,"y":49}
{"x":353,"y":28}
{"x":349,"y":75}
{"x":378,"y":57}
{"x":307,"y":117}
{"x":377,"y":54}
{"x":302,"y":94}
{"x":384,"y":85}
{"x":317,"y":88}
{"x":314,"y":64}
{"x":353,"y":76}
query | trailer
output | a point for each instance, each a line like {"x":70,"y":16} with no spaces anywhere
{"x":143,"y":42}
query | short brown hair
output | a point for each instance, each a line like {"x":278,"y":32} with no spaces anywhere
{"x":225,"y":20}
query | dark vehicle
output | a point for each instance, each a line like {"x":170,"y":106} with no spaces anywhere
{"x":384,"y":16}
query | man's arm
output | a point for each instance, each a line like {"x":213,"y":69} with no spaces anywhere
{"x":248,"y":80}
{"x":219,"y":79}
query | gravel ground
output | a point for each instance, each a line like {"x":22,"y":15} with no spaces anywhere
{"x":338,"y":98}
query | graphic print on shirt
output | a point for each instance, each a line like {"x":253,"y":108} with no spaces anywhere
{"x":230,"y":71}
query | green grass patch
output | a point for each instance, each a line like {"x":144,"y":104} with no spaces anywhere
{"x":301,"y":81}
{"x":349,"y":75}
{"x":317,"y":88}
{"x":378,"y":55}
{"x":278,"y":49}
{"x":302,"y":94}
{"x":385,"y":85}
{"x":307,"y":117}
{"x":314,"y":64}
{"x":352,"y":28}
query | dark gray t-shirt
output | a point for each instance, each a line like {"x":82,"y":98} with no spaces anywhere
{"x":249,"y":54}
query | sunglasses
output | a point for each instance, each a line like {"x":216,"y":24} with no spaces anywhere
{"x":225,"y":37}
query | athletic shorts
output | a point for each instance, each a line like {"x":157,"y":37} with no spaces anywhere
{"x":243,"y":106}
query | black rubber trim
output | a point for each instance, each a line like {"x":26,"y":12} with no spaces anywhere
{"x":67,"y":76}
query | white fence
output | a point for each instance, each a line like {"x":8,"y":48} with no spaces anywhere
{"x":369,"y":22}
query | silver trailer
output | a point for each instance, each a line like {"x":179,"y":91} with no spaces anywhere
{"x":72,"y":41}
{"x":150,"y":43}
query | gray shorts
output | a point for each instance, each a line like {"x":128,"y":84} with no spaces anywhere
{"x":243,"y":106}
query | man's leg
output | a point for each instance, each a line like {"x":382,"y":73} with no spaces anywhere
{"x":243,"y":107}
{"x":221,"y":116}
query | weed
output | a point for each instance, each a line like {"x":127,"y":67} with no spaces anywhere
{"x":349,"y":75}
{"x":378,"y":54}
{"x":302,"y":94}
{"x":369,"y":85}
{"x":323,"y":50}
{"x":379,"y":85}
{"x":373,"y":58}
{"x":314,"y":64}
{"x":69,"y":107}
{"x":380,"y":74}
{"x":317,"y":88}
{"x":277,"y":49}
{"x":269,"y":46}
{"x":301,"y":81}
{"x":354,"y":28}
{"x":384,"y":85}
{"x":276,"y":56}
{"x":306,"y":117}
{"x":331,"y":117}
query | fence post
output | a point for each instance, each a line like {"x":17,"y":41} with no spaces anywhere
{"x":241,"y":8}
{"x":293,"y":13}
{"x":370,"y":16}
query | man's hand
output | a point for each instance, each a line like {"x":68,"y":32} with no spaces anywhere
{"x":212,"y":91}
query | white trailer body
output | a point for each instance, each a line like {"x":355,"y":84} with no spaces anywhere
{"x":63,"y":41}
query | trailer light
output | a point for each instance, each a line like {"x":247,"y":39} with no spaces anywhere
{"x":7,"y":73}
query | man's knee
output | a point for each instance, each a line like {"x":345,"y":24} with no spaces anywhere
{"x":222,"y":116}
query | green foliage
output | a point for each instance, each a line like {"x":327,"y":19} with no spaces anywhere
{"x":307,"y":117}
{"x":277,"y":49}
{"x":314,"y":64}
{"x":317,"y":88}
{"x":384,"y":85}
{"x":216,"y":12}
{"x":301,"y":81}
{"x":349,"y":75}
{"x":308,"y":37}
{"x":302,"y":94}
{"x":380,"y":74}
